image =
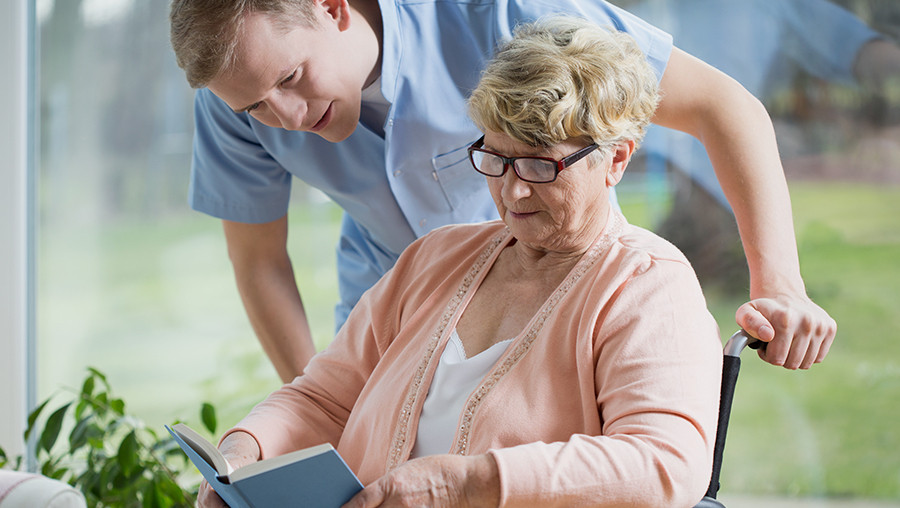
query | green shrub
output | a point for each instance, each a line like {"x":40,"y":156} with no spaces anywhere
{"x":110,"y":456}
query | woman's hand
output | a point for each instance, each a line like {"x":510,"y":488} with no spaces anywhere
{"x":799,"y":332}
{"x":239,"y":449}
{"x":438,"y":480}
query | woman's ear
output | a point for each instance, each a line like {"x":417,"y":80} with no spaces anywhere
{"x":620,"y":157}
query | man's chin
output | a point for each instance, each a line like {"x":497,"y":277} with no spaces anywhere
{"x":336,"y":134}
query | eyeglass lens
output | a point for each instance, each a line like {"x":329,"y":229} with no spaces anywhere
{"x":529,"y":169}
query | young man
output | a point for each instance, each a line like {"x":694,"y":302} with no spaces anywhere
{"x":365,"y":100}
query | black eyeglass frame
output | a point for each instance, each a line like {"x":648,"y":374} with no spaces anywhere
{"x":561,"y":164}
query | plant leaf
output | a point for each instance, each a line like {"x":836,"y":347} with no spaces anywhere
{"x":87,"y":389}
{"x":80,"y":407}
{"x":173,"y":491}
{"x":118,"y":406}
{"x":96,"y":373}
{"x":52,"y":428}
{"x":128,"y":454}
{"x":151,"y":499}
{"x":60,"y":473}
{"x":208,"y":417}
{"x":78,"y":436}
{"x":33,"y":418}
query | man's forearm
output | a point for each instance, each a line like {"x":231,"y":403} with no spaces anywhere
{"x":276,"y":312}
{"x":265,"y":279}
{"x":737,"y":133}
{"x":740,"y":140}
{"x":744,"y":151}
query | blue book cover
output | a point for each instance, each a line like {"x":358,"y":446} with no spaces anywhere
{"x":314,"y":477}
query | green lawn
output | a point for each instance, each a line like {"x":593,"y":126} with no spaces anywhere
{"x":153,"y":305}
{"x":830,"y":431}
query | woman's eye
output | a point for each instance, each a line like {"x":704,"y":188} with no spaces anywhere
{"x":251,"y":108}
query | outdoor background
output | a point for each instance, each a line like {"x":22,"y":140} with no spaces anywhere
{"x":133,"y":283}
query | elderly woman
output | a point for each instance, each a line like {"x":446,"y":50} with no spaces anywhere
{"x":558,"y":357}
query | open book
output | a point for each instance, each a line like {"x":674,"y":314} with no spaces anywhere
{"x":315,"y":477}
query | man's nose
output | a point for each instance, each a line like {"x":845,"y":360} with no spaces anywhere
{"x":289,"y":110}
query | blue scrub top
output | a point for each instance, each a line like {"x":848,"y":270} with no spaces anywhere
{"x":395,"y":188}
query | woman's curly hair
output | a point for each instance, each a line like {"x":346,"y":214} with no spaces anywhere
{"x":563,"y":77}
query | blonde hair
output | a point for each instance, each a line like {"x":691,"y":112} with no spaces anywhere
{"x":563,"y":77}
{"x":205,"y":33}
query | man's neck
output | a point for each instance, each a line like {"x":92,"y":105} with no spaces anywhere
{"x":368,"y":12}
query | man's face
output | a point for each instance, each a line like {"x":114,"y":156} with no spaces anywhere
{"x":305,"y":80}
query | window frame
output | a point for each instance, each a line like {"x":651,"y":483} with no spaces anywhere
{"x":17,"y":142}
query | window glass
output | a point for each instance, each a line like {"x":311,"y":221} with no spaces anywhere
{"x":134,"y":283}
{"x":130,"y":280}
{"x":829,"y":74}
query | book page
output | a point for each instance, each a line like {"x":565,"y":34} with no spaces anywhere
{"x":279,"y":461}
{"x":204,"y":449}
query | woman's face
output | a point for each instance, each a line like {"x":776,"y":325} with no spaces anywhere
{"x":565,"y":215}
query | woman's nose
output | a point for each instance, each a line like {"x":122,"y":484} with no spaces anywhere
{"x":513,"y":186}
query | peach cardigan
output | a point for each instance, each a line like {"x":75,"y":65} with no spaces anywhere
{"x":607,"y":398}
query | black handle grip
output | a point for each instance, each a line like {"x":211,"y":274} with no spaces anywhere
{"x":731,"y":367}
{"x":757,"y":344}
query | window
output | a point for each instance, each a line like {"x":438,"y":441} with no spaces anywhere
{"x":15,"y":238}
{"x":132,"y":282}
{"x":829,"y":74}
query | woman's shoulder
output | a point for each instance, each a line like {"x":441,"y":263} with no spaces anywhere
{"x":640,"y":242}
{"x":455,"y":240}
{"x":462,"y":235}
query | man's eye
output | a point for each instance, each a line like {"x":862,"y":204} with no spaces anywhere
{"x":289,"y":78}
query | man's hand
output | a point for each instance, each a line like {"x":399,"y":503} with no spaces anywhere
{"x":799,"y":333}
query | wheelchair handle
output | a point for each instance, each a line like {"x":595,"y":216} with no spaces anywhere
{"x":731,"y":367}
{"x":739,"y":341}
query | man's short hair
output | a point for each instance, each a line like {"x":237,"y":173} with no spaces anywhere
{"x":205,"y":33}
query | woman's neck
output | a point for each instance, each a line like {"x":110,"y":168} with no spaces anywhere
{"x":566,"y":250}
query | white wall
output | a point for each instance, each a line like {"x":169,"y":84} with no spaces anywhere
{"x":14,"y":219}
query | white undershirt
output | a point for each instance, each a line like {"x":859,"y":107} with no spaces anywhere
{"x":454,"y":380}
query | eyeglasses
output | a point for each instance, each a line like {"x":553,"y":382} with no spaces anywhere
{"x":528,"y":169}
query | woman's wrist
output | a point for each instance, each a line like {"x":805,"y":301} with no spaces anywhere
{"x":240,"y":448}
{"x":484,"y":481}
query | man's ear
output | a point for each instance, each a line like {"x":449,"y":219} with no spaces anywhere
{"x":620,"y":157}
{"x":337,"y":11}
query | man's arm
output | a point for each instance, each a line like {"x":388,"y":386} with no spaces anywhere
{"x":877,"y":64}
{"x":266,"y":283}
{"x":740,"y":140}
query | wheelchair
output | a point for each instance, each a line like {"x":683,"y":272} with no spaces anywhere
{"x":731,"y":367}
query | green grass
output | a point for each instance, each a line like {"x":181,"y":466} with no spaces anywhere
{"x":153,"y":304}
{"x":831,"y":431}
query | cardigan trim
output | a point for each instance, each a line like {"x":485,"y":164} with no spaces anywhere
{"x":400,"y":449}
{"x":400,"y":443}
{"x":610,"y":233}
